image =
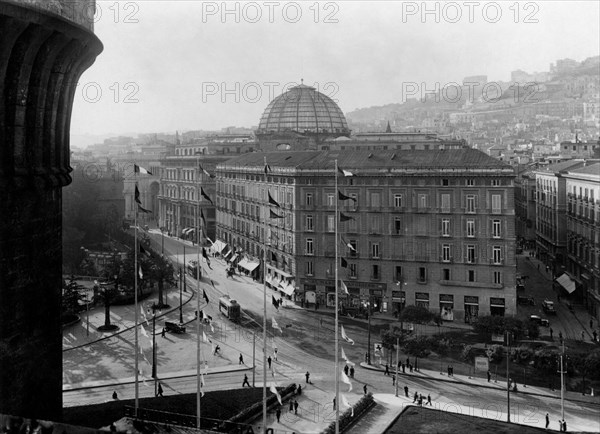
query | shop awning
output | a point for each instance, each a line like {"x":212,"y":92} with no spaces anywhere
{"x":566,"y":282}
{"x":227,"y":253}
{"x":287,"y":289}
{"x":234,"y":257}
{"x":248,"y":264}
{"x":218,"y":246}
{"x":280,"y":273}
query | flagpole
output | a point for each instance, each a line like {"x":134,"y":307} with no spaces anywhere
{"x":337,"y":374}
{"x":135,"y":298}
{"x":265,"y":312}
{"x":198,"y":320}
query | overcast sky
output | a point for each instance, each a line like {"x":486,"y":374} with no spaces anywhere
{"x":183,"y":65}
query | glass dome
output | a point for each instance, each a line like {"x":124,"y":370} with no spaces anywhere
{"x":304,"y":110}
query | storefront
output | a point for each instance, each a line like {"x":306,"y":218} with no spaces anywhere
{"x":398,"y":302}
{"x":471,"y":308}
{"x":422,"y":299}
{"x":497,"y":306}
{"x":447,"y":307}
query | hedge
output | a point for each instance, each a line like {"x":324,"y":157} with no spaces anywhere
{"x":347,"y":419}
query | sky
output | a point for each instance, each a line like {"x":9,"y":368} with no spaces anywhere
{"x":190,"y":65}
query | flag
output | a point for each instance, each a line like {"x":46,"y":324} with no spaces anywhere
{"x":345,"y":337}
{"x":342,"y":196}
{"x":210,"y":241}
{"x":205,"y":296}
{"x":344,"y":287}
{"x":267,"y":167}
{"x":201,"y":315}
{"x":274,"y":215}
{"x":275,"y":302}
{"x":273,"y":257}
{"x":205,"y":256}
{"x":203,"y":219}
{"x":140,"y":272}
{"x":137,"y":195}
{"x":347,"y":244}
{"x":205,"y":172}
{"x":345,"y":403}
{"x":201,"y":385}
{"x":346,"y":358}
{"x":143,"y":330}
{"x":344,"y":263}
{"x":273,"y":389}
{"x":140,"y":169}
{"x":144,"y":210}
{"x":144,"y":251}
{"x":346,"y":380}
{"x":205,"y":196}
{"x":344,"y":217}
{"x":276,"y":326}
{"x":205,"y":338}
{"x":345,"y":172}
{"x":273,"y":201}
{"x":212,"y":283}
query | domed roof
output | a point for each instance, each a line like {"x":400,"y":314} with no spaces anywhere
{"x":304,"y":110}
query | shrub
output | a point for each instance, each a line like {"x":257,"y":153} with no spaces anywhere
{"x":346,"y":418}
{"x":495,"y":353}
{"x":467,"y":353}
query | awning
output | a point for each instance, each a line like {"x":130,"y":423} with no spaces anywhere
{"x":281,"y":273}
{"x":218,"y":246}
{"x":566,"y":282}
{"x":186,"y":230}
{"x":234,"y":257}
{"x":248,"y":265}
{"x":227,"y":253}
{"x":287,"y":289}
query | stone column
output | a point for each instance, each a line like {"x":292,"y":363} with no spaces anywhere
{"x":44,"y":49}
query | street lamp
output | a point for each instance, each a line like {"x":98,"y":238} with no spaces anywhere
{"x":154,"y":347}
{"x":180,"y":296}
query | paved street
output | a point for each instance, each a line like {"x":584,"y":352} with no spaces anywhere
{"x":92,"y":372}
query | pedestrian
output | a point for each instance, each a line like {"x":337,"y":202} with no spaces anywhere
{"x":365,"y":389}
{"x":403,"y":368}
{"x":307,"y":375}
{"x":406,"y":391}
{"x":346,"y":369}
{"x":114,"y":395}
{"x":551,"y":333}
{"x":163,"y":332}
{"x":387,"y":369}
{"x":295,"y":406}
{"x":217,"y":349}
{"x":275,"y":353}
{"x":241,"y":359}
{"x":564,"y":426}
{"x":291,"y":405}
{"x":299,"y":391}
{"x":334,"y":403}
{"x":246,"y":381}
{"x":489,"y":376}
{"x":407,"y":361}
{"x":411,"y":367}
{"x":420,"y":400}
{"x":429,"y":399}
{"x":269,"y":361}
{"x":560,"y":425}
{"x":415,"y":397}
{"x":160,"y":390}
{"x":547,"y":420}
{"x":278,"y":413}
{"x":351,"y":371}
{"x":393,"y":380}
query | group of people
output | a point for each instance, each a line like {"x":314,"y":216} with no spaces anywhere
{"x":349,"y":371}
{"x":418,"y":397}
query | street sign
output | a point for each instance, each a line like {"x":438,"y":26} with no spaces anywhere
{"x":379,"y":350}
{"x":482,"y":364}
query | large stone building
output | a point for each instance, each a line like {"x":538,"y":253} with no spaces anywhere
{"x":431,"y":228}
{"x":583,"y":233}
{"x":44,"y":49}
{"x":525,"y":207}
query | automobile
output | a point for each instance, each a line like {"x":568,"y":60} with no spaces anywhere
{"x":525,"y":300}
{"x":539,"y":320}
{"x":548,"y":307}
{"x":172,"y":327}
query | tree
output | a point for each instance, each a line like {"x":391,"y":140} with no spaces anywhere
{"x":162,"y":272}
{"x":416,"y":314}
{"x":72,"y":294}
{"x":390,"y":337}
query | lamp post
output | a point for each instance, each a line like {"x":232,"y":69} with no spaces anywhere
{"x":162,"y":240}
{"x":154,"y":348}
{"x":369,"y":331}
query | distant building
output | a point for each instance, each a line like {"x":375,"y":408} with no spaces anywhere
{"x":579,"y":149}
{"x":583,"y":233}
{"x":430,"y":228}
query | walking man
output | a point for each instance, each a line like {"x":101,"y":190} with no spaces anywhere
{"x":246,"y":381}
{"x":278,"y":414}
{"x":415,"y":397}
{"x":429,"y":399}
{"x":269,"y":361}
{"x":387,"y":369}
{"x":307,"y":375}
{"x":489,"y":376}
{"x":403,"y":368}
{"x":334,"y":403}
{"x":114,"y":395}
{"x":163,"y":332}
{"x":393,"y":380}
{"x":547,"y":420}
{"x":275,"y":353}
{"x":365,"y":389}
{"x":160,"y":390}
{"x":406,"y":391}
{"x":295,"y":406}
{"x":241,"y":359}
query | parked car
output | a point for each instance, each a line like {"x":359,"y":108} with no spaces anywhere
{"x":525,"y":300}
{"x":548,"y":307}
{"x":539,"y":320}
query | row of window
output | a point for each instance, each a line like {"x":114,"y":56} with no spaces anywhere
{"x":422,"y":273}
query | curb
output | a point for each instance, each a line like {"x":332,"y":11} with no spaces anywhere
{"x":374,"y":368}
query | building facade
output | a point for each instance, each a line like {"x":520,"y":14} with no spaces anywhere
{"x":525,"y":208}
{"x":429,"y":228}
{"x":583,"y":233}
